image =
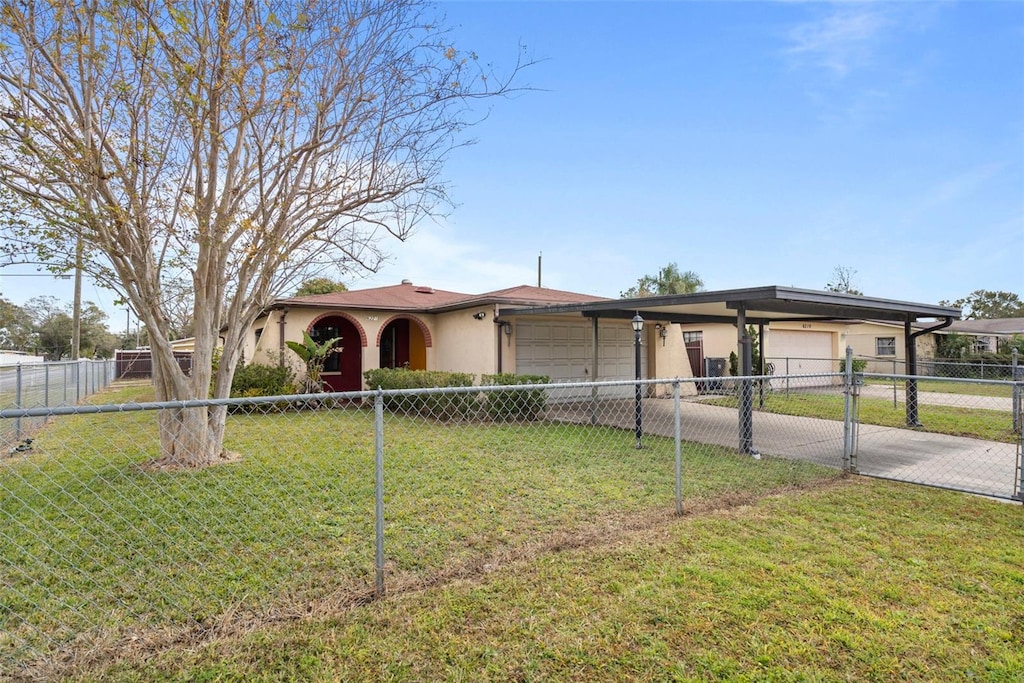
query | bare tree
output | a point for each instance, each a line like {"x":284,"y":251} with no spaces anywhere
{"x":232,"y":145}
{"x":842,"y":281}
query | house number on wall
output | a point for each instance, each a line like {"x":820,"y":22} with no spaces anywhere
{"x":373,"y":317}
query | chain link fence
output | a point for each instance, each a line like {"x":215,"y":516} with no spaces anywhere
{"x":325,"y":501}
{"x":35,"y":385}
{"x":1009,"y":370}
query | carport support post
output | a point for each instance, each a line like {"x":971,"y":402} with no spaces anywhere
{"x":910,"y":343}
{"x":746,"y":393}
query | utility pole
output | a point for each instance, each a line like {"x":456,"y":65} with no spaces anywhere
{"x":76,"y":314}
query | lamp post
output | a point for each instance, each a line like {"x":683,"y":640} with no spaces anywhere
{"x":638,"y":327}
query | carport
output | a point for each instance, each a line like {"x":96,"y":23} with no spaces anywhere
{"x":761,"y":306}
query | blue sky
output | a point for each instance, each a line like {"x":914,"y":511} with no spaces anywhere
{"x":752,"y":142}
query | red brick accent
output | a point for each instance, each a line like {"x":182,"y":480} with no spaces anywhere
{"x":346,"y":316}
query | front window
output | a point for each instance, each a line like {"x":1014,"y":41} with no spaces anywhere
{"x":323,"y":333}
{"x":885,"y":346}
{"x":690,"y":337}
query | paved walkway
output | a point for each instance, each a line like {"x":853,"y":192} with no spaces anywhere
{"x":974,"y":465}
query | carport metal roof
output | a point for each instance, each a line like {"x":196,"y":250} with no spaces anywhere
{"x":762,"y":306}
{"x":756,"y":305}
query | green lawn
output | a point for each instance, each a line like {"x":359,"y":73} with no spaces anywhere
{"x":946,"y":387}
{"x":861,"y":580}
{"x":979,"y":423}
{"x":98,"y":551}
{"x":519,"y":552}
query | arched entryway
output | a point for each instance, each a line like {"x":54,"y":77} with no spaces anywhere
{"x":342,"y":371}
{"x":403,"y":345}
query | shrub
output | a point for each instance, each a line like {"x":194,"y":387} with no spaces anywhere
{"x":443,"y":406}
{"x":255,"y":380}
{"x":859,"y":364}
{"x":523,"y":404}
{"x":262,"y":380}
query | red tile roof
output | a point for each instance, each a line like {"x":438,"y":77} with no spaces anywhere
{"x":410,"y":297}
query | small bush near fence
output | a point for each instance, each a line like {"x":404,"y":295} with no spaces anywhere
{"x":262,"y":380}
{"x":526,"y":404}
{"x":443,"y":406}
{"x":859,"y":364}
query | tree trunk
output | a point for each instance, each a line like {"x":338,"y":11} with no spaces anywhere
{"x":185,"y":438}
{"x":189,"y":437}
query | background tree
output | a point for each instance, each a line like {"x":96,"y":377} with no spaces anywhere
{"x":230,"y":146}
{"x":668,"y":281}
{"x":320,"y":285}
{"x":52,"y":323}
{"x":982,"y":304}
{"x":16,"y":332}
{"x":842,"y":281}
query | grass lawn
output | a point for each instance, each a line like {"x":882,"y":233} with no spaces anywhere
{"x":979,"y":423}
{"x":946,"y":387}
{"x":856,"y":580}
{"x":99,"y":554}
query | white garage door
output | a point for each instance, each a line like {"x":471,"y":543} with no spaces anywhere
{"x":798,"y":353}
{"x":562,"y":350}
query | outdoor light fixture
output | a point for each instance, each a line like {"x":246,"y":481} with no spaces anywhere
{"x":480,"y":315}
{"x":662,"y":332}
{"x":638,"y":326}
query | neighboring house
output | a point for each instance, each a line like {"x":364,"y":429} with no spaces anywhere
{"x":422,"y":328}
{"x":795,"y":348}
{"x":988,"y":333}
{"x":883,"y":344}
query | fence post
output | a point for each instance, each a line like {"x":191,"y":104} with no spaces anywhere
{"x":46,"y":384}
{"x":848,"y":408}
{"x":17,"y":399}
{"x":894,"y":383}
{"x":678,"y":433}
{"x":1020,"y":467}
{"x":1014,"y":361}
{"x":378,"y":416}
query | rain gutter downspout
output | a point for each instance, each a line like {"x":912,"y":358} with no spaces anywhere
{"x":280,"y":336}
{"x":499,"y":329}
{"x":911,"y":353}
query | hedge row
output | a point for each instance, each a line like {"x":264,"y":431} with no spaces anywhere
{"x":524,"y":404}
{"x":442,"y":406}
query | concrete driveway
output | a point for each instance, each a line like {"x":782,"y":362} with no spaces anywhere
{"x":974,"y":465}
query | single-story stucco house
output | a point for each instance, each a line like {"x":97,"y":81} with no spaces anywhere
{"x":423,"y":328}
{"x":570,"y":336}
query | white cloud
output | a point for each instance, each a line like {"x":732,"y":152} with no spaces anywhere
{"x":436,"y":256}
{"x":842,"y":40}
{"x":963,"y":184}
